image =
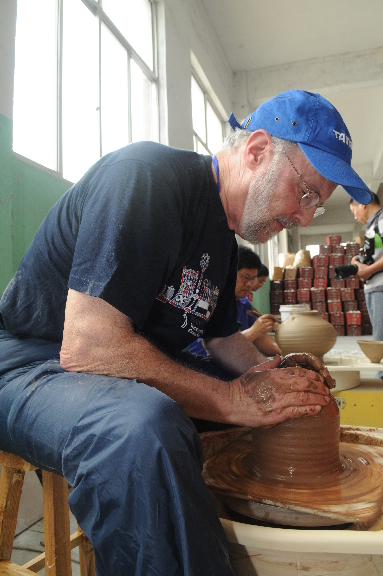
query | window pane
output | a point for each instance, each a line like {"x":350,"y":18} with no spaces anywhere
{"x":201,"y":149}
{"x":80,"y":90}
{"x":114,"y":93}
{"x":133,"y":18}
{"x":198,"y":110}
{"x":34,"y":110}
{"x":214,"y":129}
{"x":142,"y":100}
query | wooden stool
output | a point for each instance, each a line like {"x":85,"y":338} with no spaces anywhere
{"x":58,"y":541}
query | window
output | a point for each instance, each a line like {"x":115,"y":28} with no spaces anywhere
{"x":85,"y":80}
{"x":313,"y":249}
{"x":207,"y":125}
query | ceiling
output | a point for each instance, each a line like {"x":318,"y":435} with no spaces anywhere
{"x":334,"y":47}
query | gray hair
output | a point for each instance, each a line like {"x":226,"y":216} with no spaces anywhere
{"x":239,"y":137}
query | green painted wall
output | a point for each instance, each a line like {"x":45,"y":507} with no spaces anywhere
{"x":261,"y":298}
{"x":26,"y":195}
{"x":6,"y":201}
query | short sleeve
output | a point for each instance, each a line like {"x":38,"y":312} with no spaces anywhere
{"x":125,"y":244}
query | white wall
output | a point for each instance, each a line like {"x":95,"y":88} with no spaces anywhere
{"x":187,"y":29}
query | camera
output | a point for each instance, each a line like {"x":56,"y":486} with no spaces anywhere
{"x":347,"y":270}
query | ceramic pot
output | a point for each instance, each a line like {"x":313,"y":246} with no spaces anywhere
{"x":306,"y":332}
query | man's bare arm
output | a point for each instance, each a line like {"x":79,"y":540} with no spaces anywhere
{"x":259,"y":335}
{"x":99,"y":339}
{"x":235,"y":353}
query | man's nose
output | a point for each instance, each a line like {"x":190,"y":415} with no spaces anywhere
{"x":304,"y":217}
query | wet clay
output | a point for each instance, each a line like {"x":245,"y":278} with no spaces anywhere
{"x":354,"y":496}
{"x":301,"y":451}
{"x":298,"y":473}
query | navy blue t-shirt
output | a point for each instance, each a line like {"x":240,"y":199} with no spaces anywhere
{"x":144,"y":230}
{"x":243,"y":319}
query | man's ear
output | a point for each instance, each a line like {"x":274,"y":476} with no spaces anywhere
{"x":258,"y":148}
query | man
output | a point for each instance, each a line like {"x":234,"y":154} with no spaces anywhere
{"x":372,"y":274}
{"x":262,"y":276}
{"x":257,"y":332}
{"x":132,"y":264}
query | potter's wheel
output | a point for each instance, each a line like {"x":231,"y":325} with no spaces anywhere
{"x":354,"y":496}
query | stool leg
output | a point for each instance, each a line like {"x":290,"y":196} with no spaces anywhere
{"x":56,"y":525}
{"x":11,"y":484}
{"x":87,"y":565}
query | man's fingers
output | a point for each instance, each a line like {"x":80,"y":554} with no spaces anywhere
{"x":305,"y":398}
{"x":278,"y":389}
{"x":272,"y":395}
{"x":298,"y":378}
{"x":292,"y":413}
{"x":329,"y":380}
{"x":302,"y":359}
{"x":268,"y":365}
{"x":309,"y":361}
{"x":289,"y":362}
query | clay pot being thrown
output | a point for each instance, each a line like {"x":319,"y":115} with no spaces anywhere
{"x":306,"y":332}
{"x":302,"y":451}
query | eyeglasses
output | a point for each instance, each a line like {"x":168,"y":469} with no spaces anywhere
{"x":247,"y":279}
{"x":311,"y":198}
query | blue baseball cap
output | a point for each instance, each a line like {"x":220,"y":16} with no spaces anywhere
{"x":317,"y":127}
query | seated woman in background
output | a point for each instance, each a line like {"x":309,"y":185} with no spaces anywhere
{"x":253,"y":328}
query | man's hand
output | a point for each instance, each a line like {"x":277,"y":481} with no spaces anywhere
{"x":271,"y":396}
{"x":262,"y":326}
{"x":364,"y":272}
{"x":311,"y":362}
{"x":98,"y":339}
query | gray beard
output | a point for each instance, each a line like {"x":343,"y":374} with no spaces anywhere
{"x":255,"y":223}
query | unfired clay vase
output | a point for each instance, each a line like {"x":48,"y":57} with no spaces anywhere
{"x":301,"y":451}
{"x":306,"y":332}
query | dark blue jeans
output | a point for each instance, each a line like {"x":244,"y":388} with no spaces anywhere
{"x":131,"y":453}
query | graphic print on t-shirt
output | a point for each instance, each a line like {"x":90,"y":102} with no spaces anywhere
{"x":196,"y":296}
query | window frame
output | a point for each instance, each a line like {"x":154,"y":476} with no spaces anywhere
{"x":207,"y":99}
{"x":95,"y":7}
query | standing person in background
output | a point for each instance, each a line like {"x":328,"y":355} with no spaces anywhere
{"x":372,"y":274}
